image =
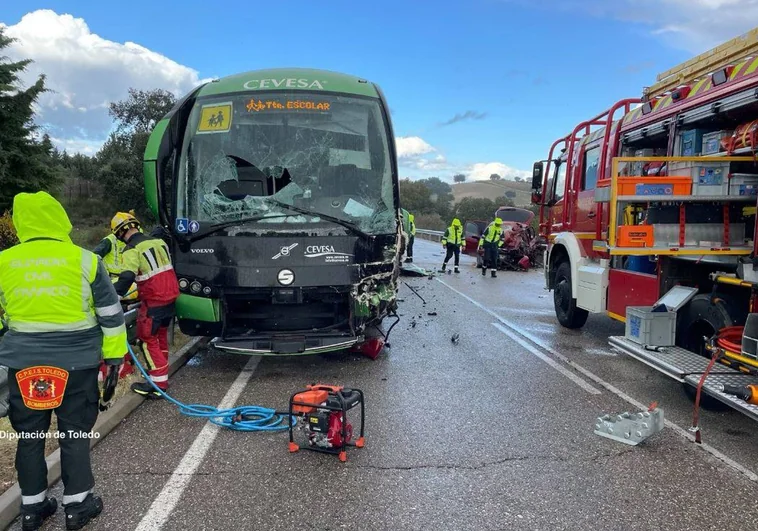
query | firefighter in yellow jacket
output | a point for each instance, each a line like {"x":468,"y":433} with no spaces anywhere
{"x":451,"y":242}
{"x":491,"y":241}
{"x":62,"y":317}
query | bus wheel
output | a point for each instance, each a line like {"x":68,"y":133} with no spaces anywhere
{"x":565,"y":305}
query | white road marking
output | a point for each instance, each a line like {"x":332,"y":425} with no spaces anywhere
{"x":752,"y":476}
{"x":172,"y":491}
{"x":547,"y":359}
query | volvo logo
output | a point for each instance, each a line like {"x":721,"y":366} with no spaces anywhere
{"x":284,"y":251}
{"x":286,"y":277}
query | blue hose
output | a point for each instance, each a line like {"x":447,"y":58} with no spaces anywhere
{"x":242,"y":418}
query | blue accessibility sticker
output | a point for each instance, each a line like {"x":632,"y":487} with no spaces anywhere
{"x":194,"y":226}
{"x":181,"y":225}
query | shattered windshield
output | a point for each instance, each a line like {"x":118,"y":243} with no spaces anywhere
{"x":250,"y":156}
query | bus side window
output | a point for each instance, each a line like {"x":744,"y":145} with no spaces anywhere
{"x":591,"y":161}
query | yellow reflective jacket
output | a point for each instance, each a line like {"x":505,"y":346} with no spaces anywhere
{"x":492,"y":234}
{"x":454,"y":233}
{"x":60,"y":306}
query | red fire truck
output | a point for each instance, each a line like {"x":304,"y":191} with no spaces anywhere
{"x":649,"y":209}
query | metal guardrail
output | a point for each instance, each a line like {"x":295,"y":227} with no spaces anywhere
{"x":431,"y":235}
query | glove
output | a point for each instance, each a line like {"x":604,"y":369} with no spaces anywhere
{"x":109,"y":387}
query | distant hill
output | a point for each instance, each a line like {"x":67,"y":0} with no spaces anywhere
{"x":493,"y":190}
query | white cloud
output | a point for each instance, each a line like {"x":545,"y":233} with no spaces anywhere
{"x":418,"y":159}
{"x":411,"y":147}
{"x":483,"y":170}
{"x":692,"y":25}
{"x":86,"y":72}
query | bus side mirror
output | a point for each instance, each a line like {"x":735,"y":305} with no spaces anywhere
{"x":538,"y":172}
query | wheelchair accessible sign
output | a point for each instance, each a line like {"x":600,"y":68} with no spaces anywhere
{"x":184,"y":225}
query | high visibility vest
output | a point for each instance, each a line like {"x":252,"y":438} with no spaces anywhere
{"x":453,"y":235}
{"x":45,"y":286}
{"x":492,"y":234}
{"x":113,"y":260}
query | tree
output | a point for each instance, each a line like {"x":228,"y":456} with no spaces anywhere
{"x":518,"y":179}
{"x":459,"y":178}
{"x":495,"y":177}
{"x":505,"y":201}
{"x":415,"y":197}
{"x":475,"y":208}
{"x":120,"y":158}
{"x":441,"y":195}
{"x":510,"y":194}
{"x":25,"y":161}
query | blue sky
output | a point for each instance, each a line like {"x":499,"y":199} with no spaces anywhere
{"x":517,"y":74}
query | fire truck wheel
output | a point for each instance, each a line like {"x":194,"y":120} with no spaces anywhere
{"x":565,"y":305}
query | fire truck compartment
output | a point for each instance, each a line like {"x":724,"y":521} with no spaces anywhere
{"x":687,"y":367}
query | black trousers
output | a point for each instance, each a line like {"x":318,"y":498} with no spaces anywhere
{"x":453,"y":249}
{"x":490,"y":255}
{"x":409,"y":251}
{"x":76,"y":417}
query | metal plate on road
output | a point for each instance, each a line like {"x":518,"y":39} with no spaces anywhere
{"x":688,"y":367}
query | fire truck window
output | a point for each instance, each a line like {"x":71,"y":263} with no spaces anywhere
{"x":560,"y":182}
{"x":591,"y":162}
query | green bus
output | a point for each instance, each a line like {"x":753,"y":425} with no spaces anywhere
{"x":278,"y":193}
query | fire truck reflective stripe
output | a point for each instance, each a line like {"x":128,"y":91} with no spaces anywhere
{"x":150,"y":274}
{"x":738,"y":69}
{"x":753,"y":67}
{"x":24,"y":327}
{"x":108,"y":311}
{"x":700,"y":87}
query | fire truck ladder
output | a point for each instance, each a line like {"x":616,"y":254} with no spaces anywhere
{"x":738,"y":48}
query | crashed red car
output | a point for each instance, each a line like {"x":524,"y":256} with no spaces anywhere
{"x":521,"y":246}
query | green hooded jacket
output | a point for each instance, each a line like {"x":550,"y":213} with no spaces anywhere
{"x":60,"y":306}
{"x":454,"y":233}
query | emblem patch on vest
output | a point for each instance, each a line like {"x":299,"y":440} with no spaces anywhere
{"x":42,"y":387}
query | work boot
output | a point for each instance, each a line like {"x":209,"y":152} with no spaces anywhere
{"x":146,"y":390}
{"x":444,"y":266}
{"x":494,"y":274}
{"x":409,"y":260}
{"x":33,"y":515}
{"x":484,"y":271}
{"x":79,"y":514}
{"x":456,"y":269}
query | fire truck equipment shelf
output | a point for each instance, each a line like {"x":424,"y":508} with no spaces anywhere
{"x":687,"y":367}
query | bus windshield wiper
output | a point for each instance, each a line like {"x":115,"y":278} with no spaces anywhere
{"x":226,"y":224}
{"x":347,"y":224}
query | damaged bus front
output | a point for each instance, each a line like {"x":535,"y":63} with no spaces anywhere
{"x":278,"y":192}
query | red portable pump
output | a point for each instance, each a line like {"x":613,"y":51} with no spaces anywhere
{"x":323,"y":410}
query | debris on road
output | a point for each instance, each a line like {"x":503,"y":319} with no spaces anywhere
{"x":455,"y":339}
{"x":630,"y":428}
{"x":432,"y":314}
{"x":410,"y":270}
{"x":416,"y":292}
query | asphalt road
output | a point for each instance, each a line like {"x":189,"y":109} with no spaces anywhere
{"x":494,"y":432}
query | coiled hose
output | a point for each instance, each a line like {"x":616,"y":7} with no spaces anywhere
{"x":241,"y":418}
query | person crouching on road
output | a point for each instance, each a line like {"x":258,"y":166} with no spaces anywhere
{"x":147,"y":261}
{"x":491,"y":240}
{"x":62,"y":317}
{"x":451,"y":242}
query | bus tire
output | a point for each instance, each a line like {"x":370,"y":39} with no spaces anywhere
{"x":565,"y":304}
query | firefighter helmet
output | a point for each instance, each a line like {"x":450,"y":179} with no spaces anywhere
{"x":123,"y":221}
{"x":498,"y":221}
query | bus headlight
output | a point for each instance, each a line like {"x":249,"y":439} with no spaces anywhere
{"x":206,"y":290}
{"x":195,"y":287}
{"x":183,"y":283}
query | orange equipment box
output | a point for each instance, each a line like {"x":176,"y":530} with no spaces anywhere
{"x":636,"y":236}
{"x":655,"y":185}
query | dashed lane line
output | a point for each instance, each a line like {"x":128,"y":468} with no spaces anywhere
{"x":752,"y":476}
{"x":172,"y":491}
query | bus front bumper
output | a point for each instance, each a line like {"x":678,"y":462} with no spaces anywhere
{"x":291,"y":344}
